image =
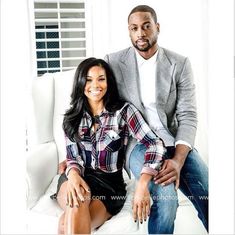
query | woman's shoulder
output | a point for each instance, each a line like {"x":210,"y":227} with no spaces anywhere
{"x":127,"y":107}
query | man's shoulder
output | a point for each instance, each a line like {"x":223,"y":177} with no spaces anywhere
{"x":119,"y":54}
{"x":173,"y":56}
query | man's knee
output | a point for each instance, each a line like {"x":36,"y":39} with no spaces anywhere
{"x":164,"y":196}
{"x":195,"y":169}
{"x":136,"y":160}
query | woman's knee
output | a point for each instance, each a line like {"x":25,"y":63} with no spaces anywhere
{"x":83,"y":204}
{"x":87,"y":197}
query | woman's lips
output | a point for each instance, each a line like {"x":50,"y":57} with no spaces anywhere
{"x":96,"y":92}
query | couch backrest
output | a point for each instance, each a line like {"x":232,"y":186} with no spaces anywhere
{"x":63,"y":82}
{"x":43,"y":108}
{"x":51,"y":98}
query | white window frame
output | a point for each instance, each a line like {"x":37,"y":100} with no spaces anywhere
{"x":88,"y":29}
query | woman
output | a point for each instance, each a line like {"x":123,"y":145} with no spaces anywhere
{"x":97,"y":128}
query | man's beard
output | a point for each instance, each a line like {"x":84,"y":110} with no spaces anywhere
{"x":145,"y":48}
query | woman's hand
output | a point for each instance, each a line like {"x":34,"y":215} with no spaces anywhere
{"x":141,"y":202}
{"x":76,"y":189}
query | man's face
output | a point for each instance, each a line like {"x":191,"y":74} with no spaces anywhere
{"x":143,"y":30}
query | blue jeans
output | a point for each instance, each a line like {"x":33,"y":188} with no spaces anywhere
{"x":193,"y":183}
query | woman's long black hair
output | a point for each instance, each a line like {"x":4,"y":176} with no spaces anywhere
{"x":79,"y":103}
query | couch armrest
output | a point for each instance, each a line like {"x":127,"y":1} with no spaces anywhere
{"x":42,"y":165}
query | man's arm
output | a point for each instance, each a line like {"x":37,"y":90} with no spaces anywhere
{"x":186,"y":111}
{"x":187,"y":119}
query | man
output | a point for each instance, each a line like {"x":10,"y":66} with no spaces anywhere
{"x":160,"y":84}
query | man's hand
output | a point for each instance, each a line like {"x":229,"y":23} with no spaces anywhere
{"x":62,"y":167}
{"x":171,"y":168}
{"x":169,"y":173}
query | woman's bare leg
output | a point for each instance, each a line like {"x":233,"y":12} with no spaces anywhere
{"x":61,"y":224}
{"x":98,"y":213}
{"x":61,"y":199}
{"x":77,"y":220}
{"x":74,"y":220}
{"x":89,"y":215}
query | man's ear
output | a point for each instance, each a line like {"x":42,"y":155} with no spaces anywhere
{"x":158,"y":28}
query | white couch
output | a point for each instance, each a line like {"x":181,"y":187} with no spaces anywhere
{"x":50,"y":98}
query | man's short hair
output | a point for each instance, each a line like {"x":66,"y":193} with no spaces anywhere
{"x":144,"y":8}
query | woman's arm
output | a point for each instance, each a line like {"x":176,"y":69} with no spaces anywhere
{"x":76,"y":186}
{"x":73,"y":159}
{"x":139,"y":129}
{"x":154,"y":158}
{"x":62,"y":167}
{"x":141,"y":201}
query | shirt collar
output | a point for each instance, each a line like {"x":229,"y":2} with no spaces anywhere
{"x":102,"y":115}
{"x":141,"y":60}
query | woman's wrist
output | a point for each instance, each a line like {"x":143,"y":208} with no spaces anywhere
{"x":145,"y":179}
{"x":73,"y":172}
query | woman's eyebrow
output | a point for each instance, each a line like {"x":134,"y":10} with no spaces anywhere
{"x":102,"y":75}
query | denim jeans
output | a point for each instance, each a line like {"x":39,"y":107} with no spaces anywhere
{"x":193,"y":183}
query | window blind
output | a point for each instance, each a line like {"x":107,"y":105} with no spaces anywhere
{"x":60,"y":34}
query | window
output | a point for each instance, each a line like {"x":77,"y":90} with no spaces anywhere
{"x":60,"y":34}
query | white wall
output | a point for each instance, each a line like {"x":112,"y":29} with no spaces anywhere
{"x":221,"y":116}
{"x":15,"y":72}
{"x":183,"y":29}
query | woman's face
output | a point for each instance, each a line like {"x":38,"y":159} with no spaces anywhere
{"x":96,"y":84}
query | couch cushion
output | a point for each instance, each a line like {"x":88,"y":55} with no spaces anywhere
{"x":47,"y":212}
{"x":42,"y":162}
{"x":123,"y":221}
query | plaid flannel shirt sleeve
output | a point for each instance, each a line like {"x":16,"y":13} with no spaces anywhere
{"x":74,"y":160}
{"x":139,"y":129}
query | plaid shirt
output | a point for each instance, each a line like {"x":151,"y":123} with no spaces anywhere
{"x":105,"y":149}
